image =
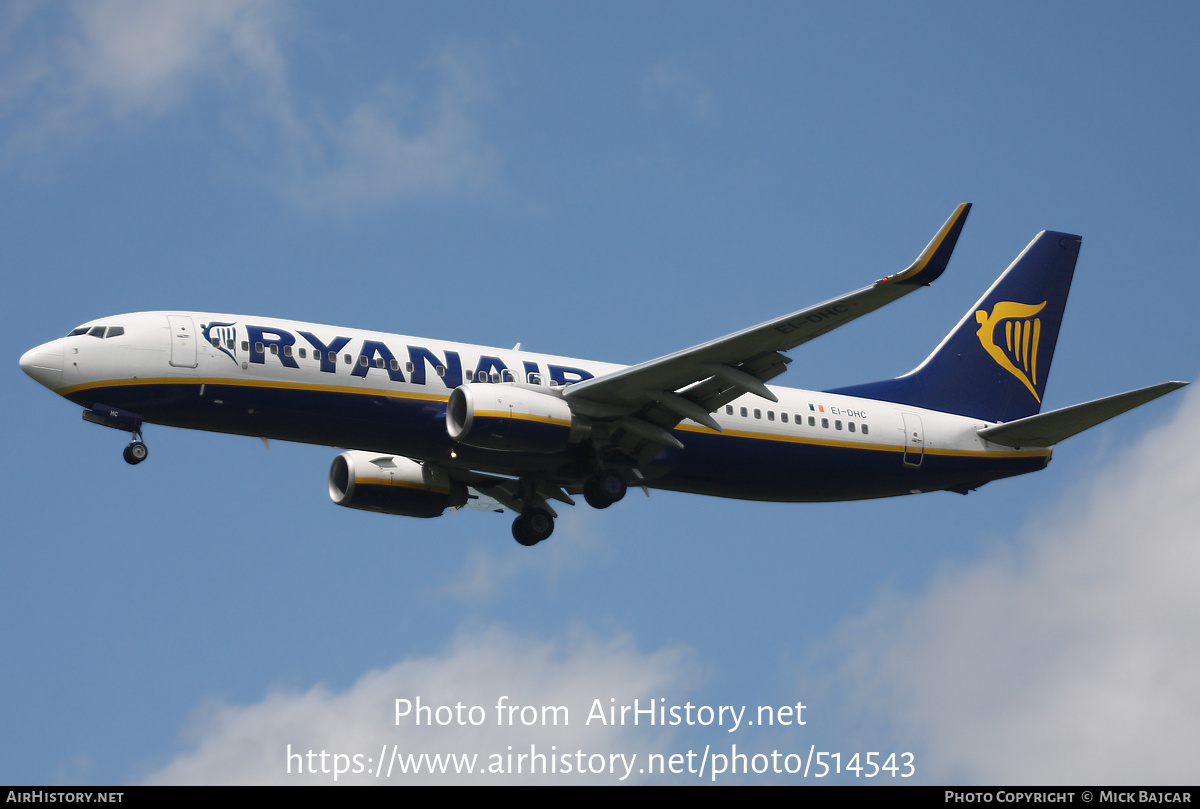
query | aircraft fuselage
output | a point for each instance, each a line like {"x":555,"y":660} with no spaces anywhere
{"x":387,"y":393}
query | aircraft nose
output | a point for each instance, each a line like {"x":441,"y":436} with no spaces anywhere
{"x":44,"y":364}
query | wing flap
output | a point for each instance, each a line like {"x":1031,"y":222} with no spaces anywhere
{"x":511,"y":492}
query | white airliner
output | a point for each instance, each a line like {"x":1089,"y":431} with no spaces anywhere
{"x":432,"y":425}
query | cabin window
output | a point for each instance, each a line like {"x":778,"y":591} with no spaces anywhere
{"x":245,"y":345}
{"x":408,"y":366}
{"x":379,"y":363}
{"x":216,"y":342}
{"x":303,"y":353}
{"x":287,"y":351}
{"x":481,"y":376}
{"x":441,"y":370}
{"x":770,"y":415}
{"x":744,"y":414}
{"x":864,"y":431}
{"x":812,"y":422}
{"x":258,"y":348}
{"x":508,"y":376}
{"x":837,"y":425}
{"x":535,"y":379}
{"x":783,"y":417}
{"x":347,"y":359}
{"x":850,"y":426}
{"x":757,"y":413}
{"x":825,"y":423}
{"x":394,"y":365}
{"x":362,"y":360}
{"x":495,"y":376}
{"x":274,"y":349}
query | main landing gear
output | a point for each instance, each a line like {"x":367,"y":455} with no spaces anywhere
{"x":136,"y":452}
{"x":533,"y":526}
{"x":536,"y":523}
{"x":603,"y":490}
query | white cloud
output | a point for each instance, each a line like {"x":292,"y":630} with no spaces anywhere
{"x":145,"y":55}
{"x":71,"y":71}
{"x":71,"y":68}
{"x":1070,"y":657}
{"x":249,"y":744}
{"x":488,"y":566}
{"x":386,"y":149}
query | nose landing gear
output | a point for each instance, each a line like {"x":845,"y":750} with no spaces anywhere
{"x":124,"y":420}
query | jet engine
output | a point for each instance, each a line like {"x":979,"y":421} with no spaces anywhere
{"x":393,"y":484}
{"x":512,"y":418}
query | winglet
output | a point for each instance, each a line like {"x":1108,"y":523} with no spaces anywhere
{"x":936,"y":255}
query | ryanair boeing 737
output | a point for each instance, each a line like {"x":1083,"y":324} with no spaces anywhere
{"x":431,"y":425}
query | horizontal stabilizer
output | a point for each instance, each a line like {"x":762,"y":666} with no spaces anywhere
{"x":1047,"y":429}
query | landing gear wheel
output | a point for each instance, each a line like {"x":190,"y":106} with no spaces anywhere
{"x":603,"y":490}
{"x":613,"y":487}
{"x":520,"y":534}
{"x":533,"y":526}
{"x":594,"y":496}
{"x":135,"y":453}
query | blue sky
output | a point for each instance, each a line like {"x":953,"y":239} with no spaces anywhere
{"x":612,"y":183}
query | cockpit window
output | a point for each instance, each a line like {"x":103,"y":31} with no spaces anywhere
{"x":98,"y":331}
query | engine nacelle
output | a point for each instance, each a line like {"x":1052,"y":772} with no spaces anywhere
{"x":512,"y":418}
{"x":392,"y":484}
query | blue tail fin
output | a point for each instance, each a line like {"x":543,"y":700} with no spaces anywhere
{"x":994,"y":365}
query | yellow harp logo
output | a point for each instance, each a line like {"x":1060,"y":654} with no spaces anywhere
{"x":1021,"y":332}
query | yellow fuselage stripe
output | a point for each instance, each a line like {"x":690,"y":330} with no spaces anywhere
{"x":434,"y":397}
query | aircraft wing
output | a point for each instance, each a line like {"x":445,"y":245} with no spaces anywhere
{"x":507,"y":491}
{"x":654,"y":396}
